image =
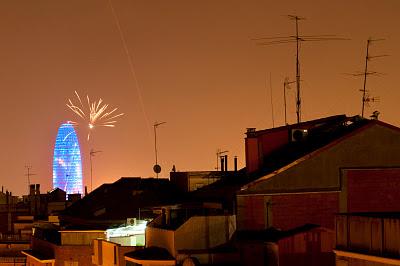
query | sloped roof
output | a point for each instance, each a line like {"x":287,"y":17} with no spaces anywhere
{"x":223,"y":190}
{"x":123,"y":198}
{"x":320,"y":138}
{"x":150,"y":254}
{"x":272,"y":234}
{"x":389,"y":215}
{"x":323,"y":133}
{"x":55,"y":190}
{"x":305,"y":124}
{"x":43,"y":258}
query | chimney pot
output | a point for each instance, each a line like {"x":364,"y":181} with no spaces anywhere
{"x":222,"y":163}
{"x":235,"y":163}
{"x":251,"y":132}
{"x":226,"y":162}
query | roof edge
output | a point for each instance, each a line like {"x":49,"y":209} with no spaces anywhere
{"x":316,"y":152}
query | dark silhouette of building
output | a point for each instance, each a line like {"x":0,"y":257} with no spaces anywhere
{"x":128,"y":197}
{"x":305,"y":173}
{"x":279,"y":210}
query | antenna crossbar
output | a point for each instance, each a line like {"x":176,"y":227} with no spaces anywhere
{"x":365,"y":97}
{"x":297,"y":38}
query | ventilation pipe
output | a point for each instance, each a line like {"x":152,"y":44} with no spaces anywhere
{"x":222,"y":163}
{"x":235,"y":163}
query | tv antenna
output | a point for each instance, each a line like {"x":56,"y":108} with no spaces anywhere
{"x":297,"y":39}
{"x":272,"y":102}
{"x":91,"y":154}
{"x":28,"y":173}
{"x":366,"y":98}
{"x":219,"y":153}
{"x":286,"y":84}
{"x":156,"y":167}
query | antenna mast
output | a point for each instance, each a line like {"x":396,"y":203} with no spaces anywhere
{"x":365,"y":78}
{"x":156,"y":168}
{"x":29,"y":174}
{"x":298,"y":97}
{"x":272,"y":103}
{"x":91,"y":154}
{"x":286,"y":86}
{"x":297,"y":38}
{"x":365,"y":96}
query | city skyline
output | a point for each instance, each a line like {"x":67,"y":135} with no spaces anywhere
{"x":195,"y":67}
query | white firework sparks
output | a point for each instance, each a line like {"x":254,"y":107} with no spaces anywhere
{"x":95,"y":114}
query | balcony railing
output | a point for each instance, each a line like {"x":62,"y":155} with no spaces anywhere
{"x":14,"y":238}
{"x":12,"y":259}
{"x":373,"y":234}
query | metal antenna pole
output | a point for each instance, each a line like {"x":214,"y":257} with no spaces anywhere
{"x":29,"y":174}
{"x":297,"y":38}
{"x":365,"y":77}
{"x":217,"y":153}
{"x":298,"y":99}
{"x":91,"y":170}
{"x":272,"y":102}
{"x":286,"y":83}
{"x":91,"y":154}
{"x":366,"y":98}
{"x":284,"y":100}
{"x":155,"y":143}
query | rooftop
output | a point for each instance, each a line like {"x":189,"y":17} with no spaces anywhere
{"x":123,"y":199}
{"x":321,"y":132}
{"x":38,"y":256}
{"x":150,"y":253}
{"x":272,"y":234}
{"x":388,"y":215}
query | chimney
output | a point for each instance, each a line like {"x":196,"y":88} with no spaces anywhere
{"x":86,"y":191}
{"x":2,"y":189}
{"x":37,"y":189}
{"x":222,"y":163}
{"x":31,"y":189}
{"x":251,"y":132}
{"x":235,"y":163}
{"x":226,"y":162}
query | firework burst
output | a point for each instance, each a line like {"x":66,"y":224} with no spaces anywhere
{"x":95,"y":114}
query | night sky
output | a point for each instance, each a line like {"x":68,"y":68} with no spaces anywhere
{"x":196,"y":68}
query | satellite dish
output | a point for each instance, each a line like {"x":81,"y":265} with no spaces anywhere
{"x":157,"y":169}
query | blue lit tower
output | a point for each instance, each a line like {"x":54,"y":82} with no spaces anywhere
{"x":67,"y":164}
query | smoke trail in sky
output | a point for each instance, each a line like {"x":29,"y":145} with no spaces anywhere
{"x":131,"y":65}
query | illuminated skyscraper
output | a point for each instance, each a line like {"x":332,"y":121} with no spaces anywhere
{"x":67,"y":164}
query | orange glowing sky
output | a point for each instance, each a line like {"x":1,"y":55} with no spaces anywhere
{"x":196,"y":67}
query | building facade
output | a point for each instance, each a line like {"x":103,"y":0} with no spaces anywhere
{"x":67,"y":163}
{"x":333,"y":178}
{"x":333,"y":165}
{"x":368,"y":239}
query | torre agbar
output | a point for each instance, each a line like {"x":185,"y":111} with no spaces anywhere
{"x":67,"y":163}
